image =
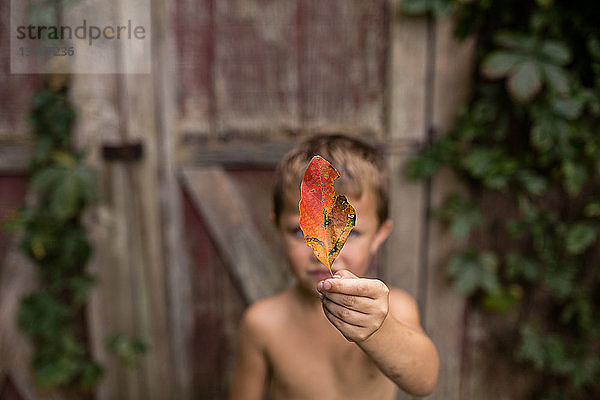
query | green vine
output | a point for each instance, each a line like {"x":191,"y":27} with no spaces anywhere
{"x":56,"y":241}
{"x":54,"y":238}
{"x":528,"y":147}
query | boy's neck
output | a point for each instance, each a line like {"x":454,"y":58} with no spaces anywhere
{"x":307,"y":298}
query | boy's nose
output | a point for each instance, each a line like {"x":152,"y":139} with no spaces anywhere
{"x":313,"y":258}
{"x":337,"y":264}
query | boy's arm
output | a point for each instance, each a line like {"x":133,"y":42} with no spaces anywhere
{"x":250,"y":373}
{"x":386,"y":326}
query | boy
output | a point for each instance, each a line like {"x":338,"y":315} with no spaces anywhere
{"x":327,"y":338}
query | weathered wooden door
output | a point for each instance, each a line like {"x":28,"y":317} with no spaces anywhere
{"x":252,"y":79}
{"x":183,"y":238}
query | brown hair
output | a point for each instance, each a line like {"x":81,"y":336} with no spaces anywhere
{"x":360,"y":165}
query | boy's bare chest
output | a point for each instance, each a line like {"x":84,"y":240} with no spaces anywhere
{"x":313,"y":360}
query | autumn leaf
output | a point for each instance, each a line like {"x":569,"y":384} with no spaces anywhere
{"x":325,"y":219}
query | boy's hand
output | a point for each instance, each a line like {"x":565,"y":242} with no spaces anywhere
{"x":356,"y":306}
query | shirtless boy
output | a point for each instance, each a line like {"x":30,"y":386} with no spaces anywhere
{"x":327,"y":338}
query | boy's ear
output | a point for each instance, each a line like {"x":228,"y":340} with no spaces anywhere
{"x":382,"y":233}
{"x":274,"y":221}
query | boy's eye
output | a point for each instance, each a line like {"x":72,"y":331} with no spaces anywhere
{"x":296,"y":232}
{"x":354,"y":233}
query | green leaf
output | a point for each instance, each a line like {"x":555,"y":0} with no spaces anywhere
{"x":503,"y":300}
{"x":575,"y":175}
{"x":592,"y":209}
{"x":481,"y":160}
{"x":65,"y":199}
{"x":439,"y":8}
{"x":472,"y":271}
{"x":87,"y":182}
{"x":461,"y":213}
{"x":534,"y":183}
{"x":531,"y":347}
{"x":516,"y":41}
{"x":442,"y":8}
{"x":129,"y":350}
{"x":570,"y":107}
{"x":54,"y":372}
{"x":545,"y":4}
{"x":490,"y":165}
{"x":579,"y":237}
{"x":560,"y":278}
{"x":525,"y":81}
{"x":579,"y":310}
{"x":47,"y":178}
{"x":80,"y":285}
{"x":556,"y":77}
{"x":555,"y":51}
{"x":499,"y":63}
{"x":541,"y":137}
{"x":429,"y":161}
{"x":586,"y":372}
{"x":415,"y":7}
{"x":518,"y":266}
{"x":90,"y":376}
{"x":41,"y":315}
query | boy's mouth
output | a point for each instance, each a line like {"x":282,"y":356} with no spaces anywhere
{"x":319,"y":274}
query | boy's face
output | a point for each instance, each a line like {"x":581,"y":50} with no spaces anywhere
{"x":364,"y":240}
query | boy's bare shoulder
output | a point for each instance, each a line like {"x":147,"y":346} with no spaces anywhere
{"x":404,"y":308}
{"x":264,"y":317}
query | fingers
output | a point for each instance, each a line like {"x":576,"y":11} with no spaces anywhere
{"x":356,"y":303}
{"x":372,"y":288}
{"x":348,"y":315}
{"x":352,"y":333}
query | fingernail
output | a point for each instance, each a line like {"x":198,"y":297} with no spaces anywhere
{"x":326,"y":285}
{"x":320,"y":285}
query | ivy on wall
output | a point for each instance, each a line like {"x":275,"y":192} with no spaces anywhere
{"x":62,"y":187}
{"x":529,"y":139}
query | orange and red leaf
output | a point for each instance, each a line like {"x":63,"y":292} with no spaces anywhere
{"x":325,"y":219}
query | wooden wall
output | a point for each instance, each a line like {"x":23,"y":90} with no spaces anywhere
{"x":234,"y":85}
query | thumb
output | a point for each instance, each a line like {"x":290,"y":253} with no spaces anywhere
{"x":344,"y":273}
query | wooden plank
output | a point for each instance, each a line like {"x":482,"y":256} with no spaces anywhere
{"x":407,"y":74}
{"x":341,"y":64}
{"x":444,"y":307}
{"x":95,"y":97}
{"x":255,"y":73}
{"x":254,"y":268}
{"x":263,"y":153}
{"x":453,"y":71}
{"x":178,"y":274}
{"x":192,"y":27}
{"x":217,"y":311}
{"x":403,"y":247}
{"x":406,"y":115}
{"x":255,"y":185}
{"x":14,"y":156}
{"x":235,"y":153}
{"x":130,"y":298}
{"x":142,"y":213}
